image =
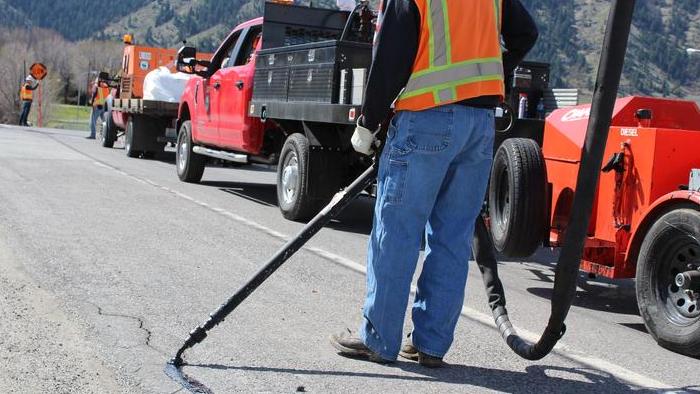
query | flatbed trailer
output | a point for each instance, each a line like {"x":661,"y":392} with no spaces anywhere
{"x":147,"y":125}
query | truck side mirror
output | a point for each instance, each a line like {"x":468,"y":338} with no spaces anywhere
{"x":186,"y":60}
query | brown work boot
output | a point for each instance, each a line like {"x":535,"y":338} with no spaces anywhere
{"x":349,"y":345}
{"x":409,"y":352}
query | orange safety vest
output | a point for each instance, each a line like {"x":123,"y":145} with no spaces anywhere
{"x":101,"y":97}
{"x":459,"y":54}
{"x":26,"y":94}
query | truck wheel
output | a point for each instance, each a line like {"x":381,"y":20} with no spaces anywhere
{"x":293,"y":195}
{"x":190,"y":166}
{"x":99,"y":128}
{"x":109,"y":131}
{"x":129,"y":139}
{"x":671,"y":246}
{"x":517,"y":197}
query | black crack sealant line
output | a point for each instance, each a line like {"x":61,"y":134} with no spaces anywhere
{"x":566,"y":272}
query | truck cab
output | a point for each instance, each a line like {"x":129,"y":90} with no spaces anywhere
{"x":215,"y":100}
{"x":279,"y":100}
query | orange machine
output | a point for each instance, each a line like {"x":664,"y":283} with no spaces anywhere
{"x":140,"y":60}
{"x":652,"y":149}
{"x":645,"y":222}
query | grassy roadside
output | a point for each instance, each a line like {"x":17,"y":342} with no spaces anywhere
{"x":71,"y":117}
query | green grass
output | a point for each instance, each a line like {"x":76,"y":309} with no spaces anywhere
{"x":69,"y":117}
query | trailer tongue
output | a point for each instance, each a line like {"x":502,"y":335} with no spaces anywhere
{"x":610,"y":69}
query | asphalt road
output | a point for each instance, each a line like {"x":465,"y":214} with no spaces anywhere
{"x":106,"y":263}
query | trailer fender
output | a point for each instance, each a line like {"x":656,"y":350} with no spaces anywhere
{"x":674,"y":200}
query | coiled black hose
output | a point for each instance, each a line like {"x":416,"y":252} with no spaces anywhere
{"x":566,"y":273}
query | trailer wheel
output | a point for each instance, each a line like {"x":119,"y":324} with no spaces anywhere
{"x":517,"y":197}
{"x":190,"y":166}
{"x":129,"y":147}
{"x":671,"y":246}
{"x":293,"y":192}
{"x":109,"y":131}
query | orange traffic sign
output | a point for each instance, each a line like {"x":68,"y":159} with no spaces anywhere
{"x":38,"y":71}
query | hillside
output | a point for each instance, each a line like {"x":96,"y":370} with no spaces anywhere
{"x":571,"y":33}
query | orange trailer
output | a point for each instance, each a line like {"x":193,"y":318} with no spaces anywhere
{"x":645,"y":222}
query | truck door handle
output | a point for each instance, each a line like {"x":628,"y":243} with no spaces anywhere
{"x":217,"y":85}
{"x":239,"y":85}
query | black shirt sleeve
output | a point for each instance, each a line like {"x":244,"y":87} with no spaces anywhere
{"x":519,"y":34}
{"x":394,"y":55}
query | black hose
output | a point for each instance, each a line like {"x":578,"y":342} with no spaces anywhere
{"x":350,"y":20}
{"x":566,"y":273}
{"x":339,"y":202}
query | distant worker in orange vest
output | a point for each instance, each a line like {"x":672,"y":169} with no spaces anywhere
{"x":100,"y":93}
{"x":442,"y":63}
{"x":26,"y":96}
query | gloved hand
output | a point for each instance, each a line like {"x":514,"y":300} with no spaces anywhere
{"x":363,"y":140}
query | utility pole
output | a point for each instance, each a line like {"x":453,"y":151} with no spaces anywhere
{"x":39,"y":120}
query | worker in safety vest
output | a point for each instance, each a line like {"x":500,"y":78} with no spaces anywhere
{"x":26,"y":96}
{"x":442,"y":63}
{"x":99,"y":105}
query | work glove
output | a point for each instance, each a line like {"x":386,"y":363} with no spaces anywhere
{"x":363,"y":140}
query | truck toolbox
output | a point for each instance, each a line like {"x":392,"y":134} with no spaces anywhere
{"x":309,"y":72}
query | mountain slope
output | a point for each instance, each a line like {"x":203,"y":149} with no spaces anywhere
{"x":570,"y":39}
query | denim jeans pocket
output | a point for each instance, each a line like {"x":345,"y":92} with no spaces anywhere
{"x":430,"y":130}
{"x":488,"y":137}
{"x":395,"y":181}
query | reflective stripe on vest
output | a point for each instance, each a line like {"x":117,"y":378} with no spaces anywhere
{"x":26,"y":94}
{"x":101,"y":97}
{"x":448,"y":71}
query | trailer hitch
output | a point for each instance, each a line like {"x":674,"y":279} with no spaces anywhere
{"x":566,"y":272}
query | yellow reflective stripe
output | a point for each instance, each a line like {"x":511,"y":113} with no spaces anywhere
{"x":453,"y":84}
{"x":497,"y":9}
{"x":455,"y":73}
{"x":431,"y":36}
{"x":453,"y":65}
{"x":440,"y":33}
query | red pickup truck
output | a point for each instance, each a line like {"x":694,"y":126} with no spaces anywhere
{"x":285,"y":98}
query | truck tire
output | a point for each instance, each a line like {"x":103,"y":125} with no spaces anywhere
{"x":109,"y":131}
{"x":670,"y":315}
{"x":129,"y":146}
{"x":189,"y":165}
{"x":517,"y":202}
{"x":293,"y":192}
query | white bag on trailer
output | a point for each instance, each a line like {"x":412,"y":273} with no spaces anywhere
{"x":346,"y":5}
{"x":162,"y":85}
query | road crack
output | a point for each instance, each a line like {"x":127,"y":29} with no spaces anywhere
{"x":137,"y":319}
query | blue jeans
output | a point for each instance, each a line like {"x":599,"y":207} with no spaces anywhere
{"x":96,"y":115}
{"x":432,"y":177}
{"x":24,"y":115}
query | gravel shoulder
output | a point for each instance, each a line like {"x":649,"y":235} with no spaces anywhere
{"x":41,"y":348}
